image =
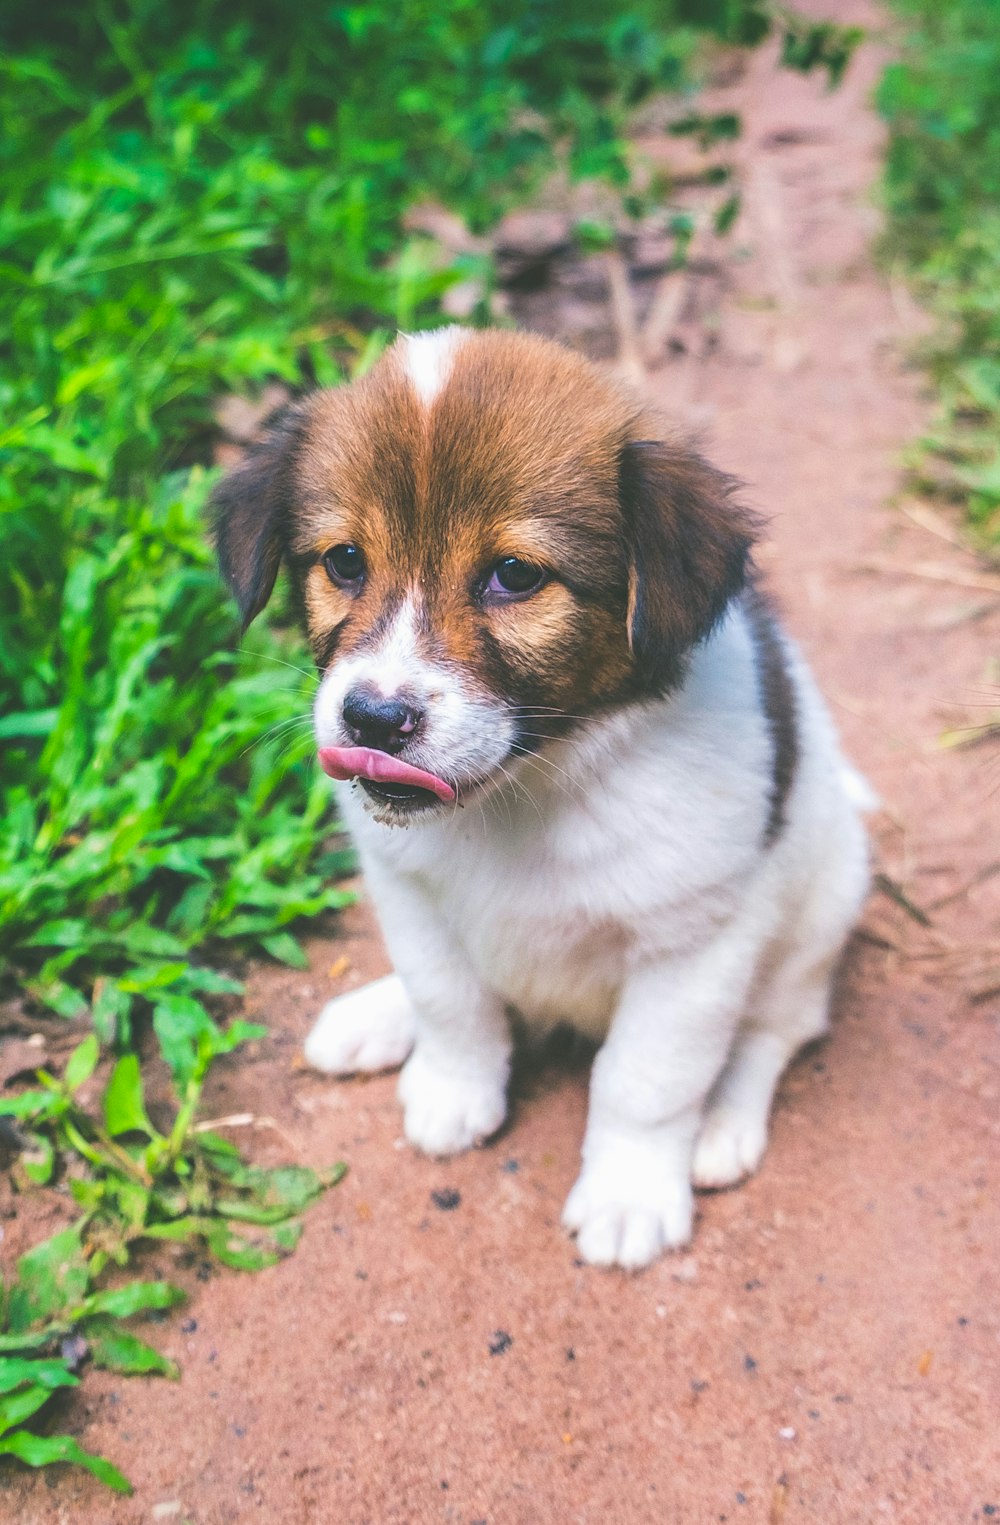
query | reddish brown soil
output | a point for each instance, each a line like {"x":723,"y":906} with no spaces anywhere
{"x":828,"y":1349}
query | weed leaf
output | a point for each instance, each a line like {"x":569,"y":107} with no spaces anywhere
{"x":124,"y":1104}
{"x":116,"y":1349}
{"x":136,"y":1297}
{"x":82,"y":1063}
{"x":283,"y":947}
{"x":50,"y":1278}
{"x":51,"y":1374}
{"x":19,"y":1405}
{"x":40,"y":1450}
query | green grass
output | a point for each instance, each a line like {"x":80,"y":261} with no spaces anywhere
{"x":200,"y":199}
{"x":129,"y":1183}
{"x":942,"y":190}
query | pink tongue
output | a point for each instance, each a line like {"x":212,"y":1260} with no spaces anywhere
{"x":365,"y":762}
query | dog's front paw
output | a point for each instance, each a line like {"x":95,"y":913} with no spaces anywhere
{"x":623,"y":1216}
{"x":730,"y":1146}
{"x":445,"y":1113}
{"x":366,"y":1030}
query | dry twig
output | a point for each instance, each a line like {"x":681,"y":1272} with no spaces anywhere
{"x":624,"y":317}
{"x":934,"y":571}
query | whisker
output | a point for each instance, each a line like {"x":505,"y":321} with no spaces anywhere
{"x":489,"y":793}
{"x":265,"y":656}
{"x":561,"y":787}
{"x":501,"y":796}
{"x":496,"y":793}
{"x":457,"y":802}
{"x":546,"y":714}
{"x":497,"y":798}
{"x":527,"y":792}
{"x":540,"y":735}
{"x":290,"y":720}
{"x":296,"y":722}
{"x":532,"y":759}
{"x":285,"y":752}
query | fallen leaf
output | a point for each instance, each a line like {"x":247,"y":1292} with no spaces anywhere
{"x":779,"y":1503}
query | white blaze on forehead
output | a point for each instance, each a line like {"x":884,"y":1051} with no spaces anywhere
{"x":428,"y":358}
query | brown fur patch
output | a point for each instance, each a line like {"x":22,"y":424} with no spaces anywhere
{"x":528,"y":451}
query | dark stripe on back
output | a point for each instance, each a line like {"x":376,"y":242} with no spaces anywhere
{"x":778,"y":699}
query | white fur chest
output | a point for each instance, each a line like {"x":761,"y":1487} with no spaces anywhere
{"x":637,"y":841}
{"x":542,"y":927}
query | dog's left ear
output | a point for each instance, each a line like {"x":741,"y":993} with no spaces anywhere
{"x":250,"y":507}
{"x":688,"y":549}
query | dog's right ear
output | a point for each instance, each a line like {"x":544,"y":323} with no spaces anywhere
{"x":250,"y":507}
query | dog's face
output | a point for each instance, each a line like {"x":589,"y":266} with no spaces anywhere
{"x":487,"y":548}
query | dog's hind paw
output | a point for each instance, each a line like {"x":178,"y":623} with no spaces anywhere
{"x":730,"y":1146}
{"x":366,"y":1030}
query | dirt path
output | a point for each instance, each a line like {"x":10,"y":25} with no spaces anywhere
{"x":828,"y":1350}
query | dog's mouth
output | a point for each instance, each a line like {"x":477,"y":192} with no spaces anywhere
{"x":385,"y":779}
{"x":399,"y":796}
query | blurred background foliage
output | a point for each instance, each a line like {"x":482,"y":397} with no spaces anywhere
{"x":199,"y":199}
{"x":941,"y":100}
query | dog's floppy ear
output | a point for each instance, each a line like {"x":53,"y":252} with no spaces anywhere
{"x":249,"y":507}
{"x":688,"y":549}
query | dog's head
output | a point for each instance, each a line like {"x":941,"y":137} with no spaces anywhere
{"x":488,"y":546}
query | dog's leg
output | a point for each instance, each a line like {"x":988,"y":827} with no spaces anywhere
{"x":667,"y":1044}
{"x":788,"y":1008}
{"x":453,"y":1086}
{"x":733,"y":1133}
{"x":365,"y":1030}
{"x":435,"y":1015}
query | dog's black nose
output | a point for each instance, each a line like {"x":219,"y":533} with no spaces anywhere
{"x":375,"y":721}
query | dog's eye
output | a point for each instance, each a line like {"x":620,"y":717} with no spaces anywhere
{"x":512,"y":578}
{"x":345,"y":565}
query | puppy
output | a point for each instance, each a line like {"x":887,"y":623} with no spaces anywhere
{"x":593,"y":782}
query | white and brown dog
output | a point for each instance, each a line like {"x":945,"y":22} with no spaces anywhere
{"x":542,"y":653}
